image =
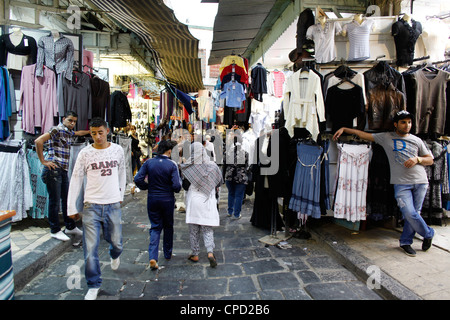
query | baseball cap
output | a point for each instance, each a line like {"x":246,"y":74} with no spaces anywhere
{"x":402,"y":115}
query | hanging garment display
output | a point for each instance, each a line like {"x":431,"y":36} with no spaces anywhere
{"x":55,"y":54}
{"x":233,"y":59}
{"x":323,"y":36}
{"x":232,"y":68}
{"x":405,"y":36}
{"x":435,"y":34}
{"x":120,"y":109}
{"x":305,"y":20}
{"x":185,"y":99}
{"x":303,"y":102}
{"x":381,"y":202}
{"x":305,"y":197}
{"x":383,"y":73}
{"x":268,"y":187}
{"x":233,"y":93}
{"x":437,"y":175}
{"x":205,"y":108}
{"x":358,"y":37}
{"x":430,"y":103}
{"x":5,"y":104}
{"x":325,"y":196}
{"x":38,"y":102}
{"x":38,"y":187}
{"x":275,"y":83}
{"x":88,"y":61}
{"x":17,"y":50}
{"x":101,"y":99}
{"x":259,"y":81}
{"x":351,"y":182}
{"x":15,"y":189}
{"x":384,"y":103}
{"x":344,"y":105}
{"x":75,"y":94}
{"x":125,"y":143}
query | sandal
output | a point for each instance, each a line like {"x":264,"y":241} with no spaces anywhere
{"x":193,"y":258}
{"x":212,"y":260}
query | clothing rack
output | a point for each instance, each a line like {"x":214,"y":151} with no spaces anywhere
{"x":430,"y":197}
{"x":442,"y":16}
{"x":11,"y":146}
{"x":443,"y":61}
{"x":85,"y":65}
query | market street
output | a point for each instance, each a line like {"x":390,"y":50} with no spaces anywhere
{"x":247,"y":268}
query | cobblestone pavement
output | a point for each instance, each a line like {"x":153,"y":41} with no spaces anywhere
{"x":248,"y":269}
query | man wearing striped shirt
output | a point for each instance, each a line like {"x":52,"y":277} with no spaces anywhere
{"x":54,"y":174}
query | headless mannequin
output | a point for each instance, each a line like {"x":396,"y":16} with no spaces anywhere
{"x":322,"y":20}
{"x":203,"y":93}
{"x":55,"y":35}
{"x":358,"y":18}
{"x":407,"y":18}
{"x":16,"y":36}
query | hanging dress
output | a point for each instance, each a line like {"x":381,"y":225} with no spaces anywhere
{"x":351,"y":188}
{"x":305,"y":197}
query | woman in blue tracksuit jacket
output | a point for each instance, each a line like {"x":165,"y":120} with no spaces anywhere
{"x":163,"y":179}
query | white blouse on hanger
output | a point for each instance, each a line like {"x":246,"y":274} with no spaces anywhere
{"x":303,"y":103}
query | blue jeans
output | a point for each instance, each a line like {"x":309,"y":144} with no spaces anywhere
{"x":236,"y":192}
{"x":160,"y":214}
{"x":410,"y":199}
{"x":97,"y":218}
{"x":57,"y":183}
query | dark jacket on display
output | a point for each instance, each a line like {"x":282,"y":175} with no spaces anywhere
{"x":405,"y":37}
{"x":384,"y":103}
{"x":27,"y":47}
{"x":120,"y":110}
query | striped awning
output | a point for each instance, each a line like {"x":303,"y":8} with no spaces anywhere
{"x":173,"y":46}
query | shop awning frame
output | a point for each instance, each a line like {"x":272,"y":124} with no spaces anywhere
{"x":174,"y":49}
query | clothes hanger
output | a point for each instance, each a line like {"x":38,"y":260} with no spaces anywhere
{"x":345,"y":79}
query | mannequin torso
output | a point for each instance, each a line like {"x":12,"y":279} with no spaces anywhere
{"x":55,"y":35}
{"x":16,"y":37}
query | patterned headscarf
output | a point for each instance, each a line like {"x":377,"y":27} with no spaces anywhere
{"x":201,"y":172}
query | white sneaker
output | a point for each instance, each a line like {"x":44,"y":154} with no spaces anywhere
{"x":115,"y":263}
{"x":75,"y":231}
{"x":77,"y":242}
{"x":60,"y":236}
{"x":91,"y":294}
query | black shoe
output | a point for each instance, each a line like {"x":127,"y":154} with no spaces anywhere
{"x":426,"y":244}
{"x":408,"y":250}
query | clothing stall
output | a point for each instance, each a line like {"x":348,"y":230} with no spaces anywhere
{"x":43,"y":75}
{"x":352,"y":81}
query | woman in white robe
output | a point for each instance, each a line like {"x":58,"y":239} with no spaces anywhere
{"x":201,"y":178}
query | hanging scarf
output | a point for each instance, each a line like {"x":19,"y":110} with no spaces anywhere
{"x":201,"y":172}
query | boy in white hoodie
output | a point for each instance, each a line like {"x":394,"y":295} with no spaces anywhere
{"x":103,"y":165}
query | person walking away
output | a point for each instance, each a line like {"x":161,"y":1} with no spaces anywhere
{"x":55,"y":173}
{"x":201,"y":178}
{"x":236,"y":174}
{"x":136,"y":152}
{"x":209,"y":146}
{"x":407,"y":156}
{"x":163,"y":181}
{"x":102,"y":166}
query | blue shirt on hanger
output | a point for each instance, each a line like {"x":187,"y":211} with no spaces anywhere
{"x":234,"y":94}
